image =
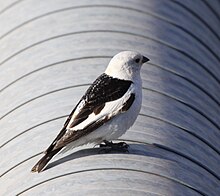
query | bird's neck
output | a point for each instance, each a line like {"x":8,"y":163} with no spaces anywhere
{"x":123,"y":74}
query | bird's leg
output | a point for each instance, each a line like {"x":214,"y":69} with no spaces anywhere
{"x":110,"y":146}
{"x":107,"y":144}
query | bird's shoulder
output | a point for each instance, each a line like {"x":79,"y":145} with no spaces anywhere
{"x":106,"y":88}
{"x":103,"y":90}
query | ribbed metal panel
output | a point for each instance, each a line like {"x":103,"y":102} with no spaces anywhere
{"x":50,"y":51}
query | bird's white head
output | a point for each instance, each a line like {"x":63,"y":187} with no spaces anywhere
{"x":126,"y":65}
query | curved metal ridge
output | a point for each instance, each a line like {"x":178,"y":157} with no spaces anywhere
{"x":7,"y":171}
{"x":10,"y":6}
{"x":65,"y":9}
{"x":101,"y":169}
{"x":121,"y":32}
{"x":157,"y":145}
{"x":52,"y":51}
{"x":119,"y":7}
{"x":187,"y":104}
{"x":80,"y":85}
{"x":35,"y":126}
{"x":212,"y":10}
{"x":88,"y":57}
{"x":191,"y":159}
{"x":50,"y":65}
{"x":184,"y":129}
{"x":188,"y":80}
{"x":42,"y":95}
{"x":198,"y":17}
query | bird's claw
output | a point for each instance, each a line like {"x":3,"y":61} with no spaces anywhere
{"x":110,"y":146}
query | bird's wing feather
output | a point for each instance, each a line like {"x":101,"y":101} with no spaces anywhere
{"x":103,"y":90}
{"x":93,"y":122}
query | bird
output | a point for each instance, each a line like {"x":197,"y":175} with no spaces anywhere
{"x":106,"y":111}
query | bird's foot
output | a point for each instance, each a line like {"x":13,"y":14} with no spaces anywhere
{"x":110,"y":146}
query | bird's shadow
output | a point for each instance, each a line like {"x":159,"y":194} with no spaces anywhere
{"x":136,"y":149}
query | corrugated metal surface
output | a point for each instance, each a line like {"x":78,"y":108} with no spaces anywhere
{"x":50,"y":51}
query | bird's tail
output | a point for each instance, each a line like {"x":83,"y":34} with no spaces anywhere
{"x":40,"y":165}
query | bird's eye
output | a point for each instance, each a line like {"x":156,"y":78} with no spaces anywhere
{"x":137,"y":60}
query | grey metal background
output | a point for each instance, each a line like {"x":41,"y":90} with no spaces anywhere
{"x":50,"y":51}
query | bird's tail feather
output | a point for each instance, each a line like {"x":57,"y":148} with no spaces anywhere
{"x":40,"y":165}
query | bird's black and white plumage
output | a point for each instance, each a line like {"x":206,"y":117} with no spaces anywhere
{"x":109,"y":107}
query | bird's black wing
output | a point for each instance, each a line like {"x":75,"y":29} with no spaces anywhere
{"x":104,"y":89}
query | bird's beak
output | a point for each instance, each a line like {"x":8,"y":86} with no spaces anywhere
{"x":145,"y":59}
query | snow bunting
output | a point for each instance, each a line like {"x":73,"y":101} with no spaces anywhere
{"x":109,"y":107}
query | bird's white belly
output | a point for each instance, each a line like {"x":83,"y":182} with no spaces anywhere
{"x":121,"y":123}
